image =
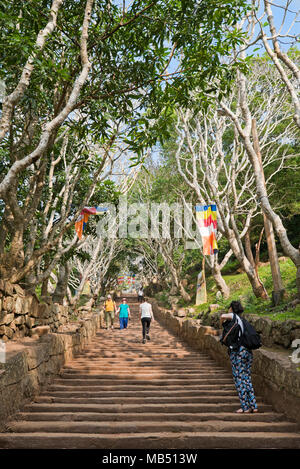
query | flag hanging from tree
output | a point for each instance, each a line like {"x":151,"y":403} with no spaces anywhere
{"x":120,"y":279}
{"x":84,"y":216}
{"x":206,"y":216}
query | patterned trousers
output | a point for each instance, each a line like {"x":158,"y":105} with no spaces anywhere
{"x":241,"y":361}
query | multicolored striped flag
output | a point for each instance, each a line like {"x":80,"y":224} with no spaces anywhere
{"x":120,"y":279}
{"x":84,"y":216}
{"x":206,"y":216}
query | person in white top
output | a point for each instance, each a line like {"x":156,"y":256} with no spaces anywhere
{"x":140,"y":294}
{"x":146,"y":317}
{"x":241,"y":361}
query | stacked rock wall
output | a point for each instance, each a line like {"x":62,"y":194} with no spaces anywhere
{"x":22,"y":313}
{"x":19,"y":311}
{"x":33,"y":362}
{"x":273,"y":333}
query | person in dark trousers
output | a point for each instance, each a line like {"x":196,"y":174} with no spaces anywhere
{"x":146,"y":317}
{"x":241,"y":362}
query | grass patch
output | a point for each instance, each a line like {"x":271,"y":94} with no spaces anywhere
{"x":241,"y":290}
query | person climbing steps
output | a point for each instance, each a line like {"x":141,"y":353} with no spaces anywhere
{"x":124,"y":314}
{"x":110,"y":309}
{"x":146,"y":317}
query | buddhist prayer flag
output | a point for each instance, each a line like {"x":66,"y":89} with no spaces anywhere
{"x":120,"y":279}
{"x":84,"y":216}
{"x":126,"y":280}
{"x":206,"y":216}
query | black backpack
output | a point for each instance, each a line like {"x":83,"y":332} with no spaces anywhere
{"x":231,"y":336}
{"x":250,"y":338}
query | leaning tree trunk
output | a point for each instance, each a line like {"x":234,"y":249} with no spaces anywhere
{"x":44,"y":291}
{"x":173,"y":290}
{"x":248,"y":249}
{"x":257,"y":287}
{"x":179,"y":285}
{"x":62,"y":284}
{"x":221,"y":284}
{"x":289,"y":250}
{"x":12,"y":261}
{"x":184,"y":293}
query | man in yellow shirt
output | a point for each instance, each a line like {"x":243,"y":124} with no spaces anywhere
{"x":110,"y":308}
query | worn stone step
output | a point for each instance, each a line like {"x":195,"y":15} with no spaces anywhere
{"x":148,"y":427}
{"x":128,"y":381}
{"x":191,"y":388}
{"x":142,"y":375}
{"x":117,"y":394}
{"x":117,"y":339}
{"x":141,"y":369}
{"x":89,"y":399}
{"x":125,"y":408}
{"x":124,"y":370}
{"x":132,"y":367}
{"x":143,"y":362}
{"x":136,"y":349}
{"x":146,"y":350}
{"x":171,"y":440}
{"x":163,"y":416}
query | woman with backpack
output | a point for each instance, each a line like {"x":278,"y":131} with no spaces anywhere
{"x":241,"y":358}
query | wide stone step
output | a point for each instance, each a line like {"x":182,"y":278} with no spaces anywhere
{"x":171,"y":440}
{"x":116,"y":394}
{"x":141,"y":401}
{"x":148,"y":427}
{"x":134,"y":370}
{"x":125,"y":368}
{"x":137,"y":388}
{"x":128,"y":381}
{"x":142,"y":375}
{"x":160,"y":417}
{"x":129,"y":408}
{"x":156,"y":350}
{"x":142,"y":362}
{"x":100,"y":366}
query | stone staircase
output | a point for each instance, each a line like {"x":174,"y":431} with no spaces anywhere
{"x":120,"y":393}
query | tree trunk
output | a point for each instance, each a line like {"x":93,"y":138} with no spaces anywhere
{"x":248,"y":249}
{"x":289,"y":250}
{"x":221,"y":284}
{"x":298,"y":282}
{"x":44,"y":291}
{"x":179,"y":284}
{"x":258,"y":289}
{"x":62,"y":284}
{"x":12,"y":261}
{"x":184,"y":293}
{"x":278,"y":290}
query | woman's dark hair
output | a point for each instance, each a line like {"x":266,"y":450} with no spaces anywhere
{"x":236,"y":307}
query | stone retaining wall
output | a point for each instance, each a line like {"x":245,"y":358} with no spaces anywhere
{"x":31,"y":364}
{"x":275,"y":377}
{"x":273,"y":333}
{"x":21,"y":313}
